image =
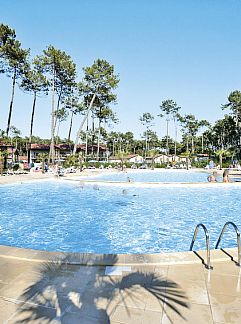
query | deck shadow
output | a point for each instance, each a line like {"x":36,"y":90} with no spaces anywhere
{"x":67,"y":293}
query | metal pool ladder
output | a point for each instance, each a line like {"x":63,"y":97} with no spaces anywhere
{"x":238,"y":239}
{"x":207,"y":265}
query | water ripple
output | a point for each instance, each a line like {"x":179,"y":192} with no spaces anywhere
{"x":58,"y":216}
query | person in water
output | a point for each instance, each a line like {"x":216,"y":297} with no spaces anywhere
{"x":212,"y":177}
{"x":226,"y":176}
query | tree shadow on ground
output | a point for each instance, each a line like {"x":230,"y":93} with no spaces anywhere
{"x":65,"y":293}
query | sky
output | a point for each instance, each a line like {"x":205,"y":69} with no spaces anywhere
{"x":188,"y":51}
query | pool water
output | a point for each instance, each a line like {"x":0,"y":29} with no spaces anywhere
{"x":162,"y":175}
{"x":72,"y":217}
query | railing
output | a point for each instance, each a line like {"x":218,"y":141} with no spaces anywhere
{"x":207,"y":265}
{"x":238,"y":239}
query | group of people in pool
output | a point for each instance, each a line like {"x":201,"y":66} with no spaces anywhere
{"x":213,"y":176}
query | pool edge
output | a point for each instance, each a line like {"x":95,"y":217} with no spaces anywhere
{"x":92,"y":259}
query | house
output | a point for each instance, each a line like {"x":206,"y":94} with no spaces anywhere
{"x":62,"y":151}
{"x":201,"y":157}
{"x":114,"y":159}
{"x":9,"y":152}
{"x":39,"y":149}
{"x":162,"y":158}
{"x":167,"y":159}
{"x":131,"y":158}
{"x":134,"y":158}
{"x":159,"y":159}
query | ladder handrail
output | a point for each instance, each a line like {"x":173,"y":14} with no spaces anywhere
{"x":238,"y":239}
{"x":208,"y":265}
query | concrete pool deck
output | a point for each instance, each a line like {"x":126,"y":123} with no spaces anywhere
{"x":49,"y":287}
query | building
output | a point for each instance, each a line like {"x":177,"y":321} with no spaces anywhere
{"x":134,"y":158}
{"x":36,"y":150}
{"x":8,"y":153}
{"x":62,"y":151}
{"x":201,"y":157}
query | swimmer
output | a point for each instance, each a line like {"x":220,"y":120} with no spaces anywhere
{"x":212,"y":177}
{"x":81,"y":185}
{"x":226,"y":176}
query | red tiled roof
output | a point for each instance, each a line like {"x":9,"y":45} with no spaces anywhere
{"x":131,"y":156}
{"x":40,"y":146}
{"x":64,"y":146}
{"x":2,"y":144}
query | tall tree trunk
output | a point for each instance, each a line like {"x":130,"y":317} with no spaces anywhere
{"x":192,"y":145}
{"x":57,"y":133}
{"x":221,"y":161}
{"x":175,"y":147}
{"x":93,"y":135}
{"x":51,"y":151}
{"x":167,"y":141}
{"x":32,"y":118}
{"x":187,"y":147}
{"x":187,"y":160}
{"x":127,"y":147}
{"x":86,"y":140}
{"x":11,"y":103}
{"x":31,"y":126}
{"x":86,"y":146}
{"x":82,"y":123}
{"x":1,"y":163}
{"x":167,"y":137}
{"x":146,"y":146}
{"x":57,"y":109}
{"x":70,"y":126}
{"x":98,"y":142}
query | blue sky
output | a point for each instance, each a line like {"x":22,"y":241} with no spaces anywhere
{"x":188,"y":51}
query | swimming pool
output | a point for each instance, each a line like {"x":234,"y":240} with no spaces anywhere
{"x":161,"y":175}
{"x":72,"y":217}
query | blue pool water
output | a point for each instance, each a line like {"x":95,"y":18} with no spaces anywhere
{"x":64,"y":216}
{"x":162,"y":175}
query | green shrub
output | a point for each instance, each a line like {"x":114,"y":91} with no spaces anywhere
{"x":199,"y":164}
{"x":15,"y":167}
{"x":160,"y":165}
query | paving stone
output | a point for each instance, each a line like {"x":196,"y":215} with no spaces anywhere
{"x":153,"y":303}
{"x":29,"y":313}
{"x":186,"y":272}
{"x":224,"y":284}
{"x":7,"y":309}
{"x":130,"y":315}
{"x":225,"y":308}
{"x":195,"y":291}
{"x":161,"y":271}
{"x":200,"y":314}
{"x":83,"y":319}
{"x":226,"y":268}
{"x":11,"y":269}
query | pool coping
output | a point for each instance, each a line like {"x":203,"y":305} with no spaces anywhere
{"x":93,"y":259}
